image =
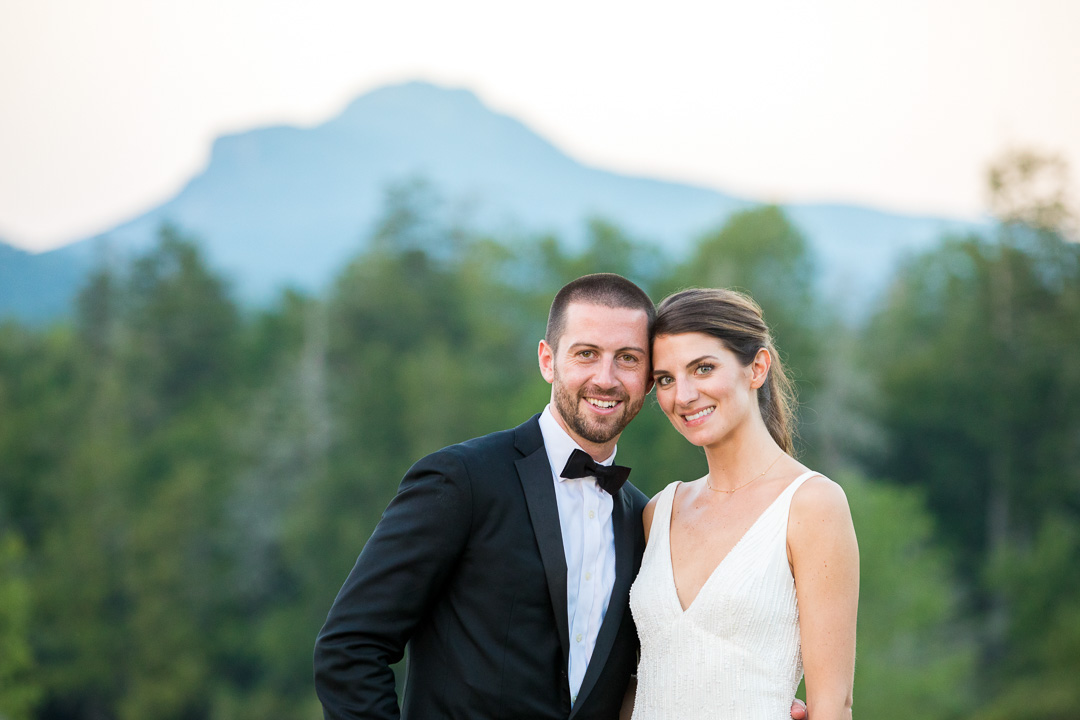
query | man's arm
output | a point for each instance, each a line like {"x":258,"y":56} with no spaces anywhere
{"x":403,"y":566}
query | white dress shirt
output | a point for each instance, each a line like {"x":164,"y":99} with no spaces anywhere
{"x":589,"y":544}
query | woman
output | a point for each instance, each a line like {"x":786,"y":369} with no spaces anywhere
{"x":751,"y":573}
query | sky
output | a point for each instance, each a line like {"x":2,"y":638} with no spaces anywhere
{"x":108,"y":107}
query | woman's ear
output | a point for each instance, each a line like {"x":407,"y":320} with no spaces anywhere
{"x":759,"y":368}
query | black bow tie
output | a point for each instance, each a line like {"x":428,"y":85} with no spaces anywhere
{"x":609,"y":477}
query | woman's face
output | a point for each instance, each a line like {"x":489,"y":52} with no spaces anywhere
{"x":702,"y":387}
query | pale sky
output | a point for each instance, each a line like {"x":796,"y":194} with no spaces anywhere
{"x":107,"y":107}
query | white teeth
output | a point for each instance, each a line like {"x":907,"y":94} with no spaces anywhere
{"x":700,"y":414}
{"x":603,"y":403}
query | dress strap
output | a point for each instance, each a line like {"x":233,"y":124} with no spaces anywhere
{"x":783,"y":501}
{"x":797,"y":482}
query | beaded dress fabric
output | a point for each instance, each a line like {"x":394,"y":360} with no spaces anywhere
{"x":734,"y":653}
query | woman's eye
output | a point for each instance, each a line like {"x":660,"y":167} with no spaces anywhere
{"x":703,"y":369}
{"x":663,"y":381}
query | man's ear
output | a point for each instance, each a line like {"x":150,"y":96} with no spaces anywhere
{"x":759,"y":368}
{"x":546,"y":355}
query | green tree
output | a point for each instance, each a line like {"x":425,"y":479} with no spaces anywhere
{"x":20,"y":689}
{"x":761,"y":252}
{"x":1042,"y":590}
{"x":181,"y":328}
{"x":129,"y":564}
{"x":915,"y":651}
{"x":981,"y":403}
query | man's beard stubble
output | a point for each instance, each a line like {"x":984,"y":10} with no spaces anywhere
{"x":568,"y":405}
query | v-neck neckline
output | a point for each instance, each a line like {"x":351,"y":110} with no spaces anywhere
{"x":729,"y":553}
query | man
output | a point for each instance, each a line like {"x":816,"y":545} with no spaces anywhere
{"x":506,"y":570}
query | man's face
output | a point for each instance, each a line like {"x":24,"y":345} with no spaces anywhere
{"x":599,"y":373}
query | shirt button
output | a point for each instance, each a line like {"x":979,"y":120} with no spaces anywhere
{"x":578,"y":637}
{"x":588,"y":576}
{"x":591,"y":514}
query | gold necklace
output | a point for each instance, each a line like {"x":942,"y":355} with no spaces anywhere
{"x":709,"y":484}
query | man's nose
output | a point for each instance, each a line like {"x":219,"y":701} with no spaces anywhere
{"x":605,"y":374}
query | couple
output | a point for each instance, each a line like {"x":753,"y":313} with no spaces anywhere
{"x":506,"y":562}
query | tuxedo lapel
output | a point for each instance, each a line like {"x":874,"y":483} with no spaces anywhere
{"x":622,"y":520}
{"x":534,"y":471}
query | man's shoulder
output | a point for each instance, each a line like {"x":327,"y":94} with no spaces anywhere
{"x":511,"y":443}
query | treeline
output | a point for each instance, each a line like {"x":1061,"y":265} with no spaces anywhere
{"x":184,"y":483}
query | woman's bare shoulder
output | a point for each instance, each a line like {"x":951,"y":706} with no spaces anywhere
{"x":819,"y":508}
{"x":818,"y":493}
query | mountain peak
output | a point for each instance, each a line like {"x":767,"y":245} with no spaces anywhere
{"x":289,"y":205}
{"x":415,"y":93}
{"x":416,"y":98}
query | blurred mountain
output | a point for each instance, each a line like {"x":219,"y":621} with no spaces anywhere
{"x":280,"y":206}
{"x":37,"y":288}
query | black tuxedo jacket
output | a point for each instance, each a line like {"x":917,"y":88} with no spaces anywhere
{"x":467,"y":567}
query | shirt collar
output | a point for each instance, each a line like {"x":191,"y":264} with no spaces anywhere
{"x":559,"y":444}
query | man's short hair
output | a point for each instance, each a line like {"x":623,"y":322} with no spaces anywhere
{"x":606,"y":289}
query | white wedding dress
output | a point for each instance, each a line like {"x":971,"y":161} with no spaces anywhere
{"x":734,"y":654}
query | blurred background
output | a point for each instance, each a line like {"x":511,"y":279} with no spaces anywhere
{"x":256,"y":259}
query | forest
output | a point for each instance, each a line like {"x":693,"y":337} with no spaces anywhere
{"x":185,"y":481}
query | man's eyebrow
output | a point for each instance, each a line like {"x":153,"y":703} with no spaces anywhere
{"x":594,"y":346}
